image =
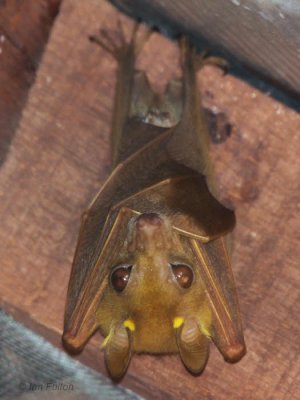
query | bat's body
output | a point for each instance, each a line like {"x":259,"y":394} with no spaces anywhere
{"x":151,"y":269}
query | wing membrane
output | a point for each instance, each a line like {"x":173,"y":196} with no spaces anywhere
{"x":216,"y":273}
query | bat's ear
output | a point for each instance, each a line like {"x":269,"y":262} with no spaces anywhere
{"x":117,"y":347}
{"x":193,"y":346}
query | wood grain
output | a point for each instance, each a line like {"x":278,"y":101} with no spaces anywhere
{"x":24,"y":30}
{"x":262,"y":35}
{"x":60,"y":157}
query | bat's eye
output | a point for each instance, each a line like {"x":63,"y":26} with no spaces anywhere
{"x":183,"y":274}
{"x":119,"y":278}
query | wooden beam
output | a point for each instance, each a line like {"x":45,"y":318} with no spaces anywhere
{"x":24,"y":29}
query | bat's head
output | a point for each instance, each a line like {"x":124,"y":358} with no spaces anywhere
{"x":155,"y":301}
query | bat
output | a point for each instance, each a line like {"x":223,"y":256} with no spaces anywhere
{"x":152,"y":267}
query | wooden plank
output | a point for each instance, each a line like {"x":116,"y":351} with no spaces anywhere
{"x":262,"y":35}
{"x":60,"y":157}
{"x":24,"y":30}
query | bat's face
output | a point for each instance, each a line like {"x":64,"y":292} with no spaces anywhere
{"x":154,"y":288}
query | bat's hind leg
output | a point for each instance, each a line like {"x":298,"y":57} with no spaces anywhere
{"x":125,"y":52}
{"x":114,"y":41}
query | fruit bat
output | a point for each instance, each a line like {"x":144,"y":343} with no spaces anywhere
{"x":152,"y":269}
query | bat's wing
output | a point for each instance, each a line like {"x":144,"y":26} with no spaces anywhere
{"x":190,"y":140}
{"x":188,"y":204}
{"x":83,"y":299}
{"x":216,"y":273}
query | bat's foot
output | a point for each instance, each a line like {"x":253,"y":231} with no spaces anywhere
{"x":188,"y":52}
{"x":204,"y":58}
{"x":114,"y":41}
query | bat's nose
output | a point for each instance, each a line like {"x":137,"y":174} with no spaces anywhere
{"x":150,"y":232}
{"x":148,"y":221}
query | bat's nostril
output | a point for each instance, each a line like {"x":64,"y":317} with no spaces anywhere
{"x":149,"y":219}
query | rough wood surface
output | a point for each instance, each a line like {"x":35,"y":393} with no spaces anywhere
{"x":24,"y":29}
{"x":60,"y":157}
{"x":263,"y":35}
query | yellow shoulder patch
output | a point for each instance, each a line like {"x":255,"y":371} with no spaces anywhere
{"x":128,"y":323}
{"x":177,"y":322}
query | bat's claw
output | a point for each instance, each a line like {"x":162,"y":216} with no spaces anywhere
{"x":114,"y":40}
{"x":205,"y":59}
{"x":188,"y":51}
